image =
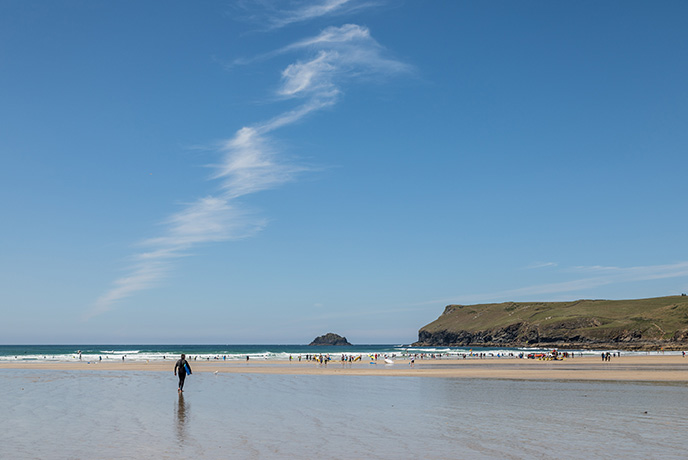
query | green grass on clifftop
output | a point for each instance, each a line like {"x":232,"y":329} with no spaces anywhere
{"x":654,"y":319}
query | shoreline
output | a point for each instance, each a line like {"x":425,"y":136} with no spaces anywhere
{"x":656,"y":369}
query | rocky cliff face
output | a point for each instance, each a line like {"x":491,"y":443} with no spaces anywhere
{"x":330,"y":339}
{"x":524,"y":335}
{"x":515,"y":333}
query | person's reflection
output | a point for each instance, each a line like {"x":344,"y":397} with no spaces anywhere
{"x":182,"y":410}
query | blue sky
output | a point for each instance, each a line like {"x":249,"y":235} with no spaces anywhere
{"x":266,"y":172}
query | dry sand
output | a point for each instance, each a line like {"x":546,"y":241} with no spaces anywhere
{"x":625,"y":368}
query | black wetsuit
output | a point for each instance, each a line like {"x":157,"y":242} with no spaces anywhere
{"x":180,"y":368}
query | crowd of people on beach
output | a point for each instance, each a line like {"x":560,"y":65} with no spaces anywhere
{"x":553,"y":355}
{"x":607,"y":356}
{"x":344,"y":358}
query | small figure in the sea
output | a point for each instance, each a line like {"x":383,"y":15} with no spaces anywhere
{"x":181,"y":367}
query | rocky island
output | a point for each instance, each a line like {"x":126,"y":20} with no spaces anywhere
{"x":642,"y":324}
{"x":330,"y":339}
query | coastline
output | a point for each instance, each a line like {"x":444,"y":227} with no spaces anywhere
{"x":671,"y":368}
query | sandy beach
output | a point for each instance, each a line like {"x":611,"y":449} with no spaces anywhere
{"x":625,"y":368}
{"x":441,"y":408}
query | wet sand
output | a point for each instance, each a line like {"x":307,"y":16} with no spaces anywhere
{"x":625,"y":368}
{"x":631,"y":408}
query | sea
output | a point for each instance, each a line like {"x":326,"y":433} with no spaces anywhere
{"x":62,"y":353}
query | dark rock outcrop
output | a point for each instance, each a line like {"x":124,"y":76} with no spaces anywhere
{"x":330,"y":339}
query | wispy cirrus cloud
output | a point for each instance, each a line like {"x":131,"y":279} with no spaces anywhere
{"x":274,"y":15}
{"x":347,"y":48}
{"x":251,"y":162}
{"x":593,"y":277}
{"x":639,"y":273}
{"x":537,"y":265}
{"x":602,"y":276}
{"x":344,"y":52}
{"x":337,"y":54}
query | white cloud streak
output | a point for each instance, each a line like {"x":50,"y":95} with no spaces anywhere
{"x":603,"y":276}
{"x":306,"y":10}
{"x":597,"y":276}
{"x":538,"y":265}
{"x":344,"y":52}
{"x":250,"y":162}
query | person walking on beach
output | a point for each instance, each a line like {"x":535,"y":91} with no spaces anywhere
{"x":181,"y":367}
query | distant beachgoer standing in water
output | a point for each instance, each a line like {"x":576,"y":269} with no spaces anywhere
{"x":180,"y":368}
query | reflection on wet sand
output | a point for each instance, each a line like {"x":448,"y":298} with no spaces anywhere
{"x":181,"y":409}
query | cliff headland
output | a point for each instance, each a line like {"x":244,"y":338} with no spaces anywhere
{"x":642,"y":324}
